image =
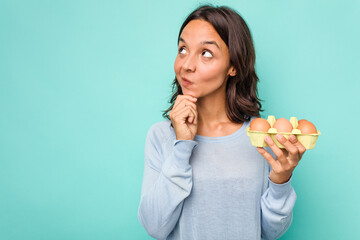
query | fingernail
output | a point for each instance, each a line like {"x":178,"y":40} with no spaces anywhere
{"x":267,"y":138}
{"x":278,"y":136}
{"x":292,"y":138}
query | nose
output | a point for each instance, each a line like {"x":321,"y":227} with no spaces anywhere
{"x":189,"y":64}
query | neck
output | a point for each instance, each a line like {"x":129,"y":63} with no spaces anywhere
{"x":211,"y":110}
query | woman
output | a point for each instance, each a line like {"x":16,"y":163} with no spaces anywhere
{"x":202,"y":177}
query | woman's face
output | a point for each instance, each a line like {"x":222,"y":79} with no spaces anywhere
{"x":203,"y":59}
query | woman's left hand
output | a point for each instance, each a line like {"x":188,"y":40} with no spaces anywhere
{"x":286,"y":159}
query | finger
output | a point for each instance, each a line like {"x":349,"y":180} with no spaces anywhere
{"x":179,"y":116}
{"x":183,"y":102}
{"x":290,"y":147}
{"x":188,"y":103}
{"x":181,"y":105}
{"x":180,"y":98}
{"x":193,"y":109}
{"x":193,"y":115}
{"x":267,"y":156}
{"x":191,"y":97}
{"x":276,"y":150}
{"x":184,"y":114}
{"x":293,"y":139}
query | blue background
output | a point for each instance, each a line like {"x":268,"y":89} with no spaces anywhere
{"x":81,"y":82}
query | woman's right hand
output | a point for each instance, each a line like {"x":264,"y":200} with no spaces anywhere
{"x":184,"y":117}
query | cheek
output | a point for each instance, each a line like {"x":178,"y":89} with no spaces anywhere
{"x":212,"y":73}
{"x":177,"y":65}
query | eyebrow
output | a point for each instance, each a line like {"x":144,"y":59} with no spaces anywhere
{"x":203,"y":42}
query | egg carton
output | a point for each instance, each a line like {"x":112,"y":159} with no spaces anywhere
{"x":257,"y":138}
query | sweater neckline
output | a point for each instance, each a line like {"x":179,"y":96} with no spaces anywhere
{"x":226,"y":138}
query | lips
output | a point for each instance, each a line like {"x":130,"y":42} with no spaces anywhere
{"x":186,"y":81}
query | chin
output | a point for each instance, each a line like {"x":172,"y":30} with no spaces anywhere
{"x":190,"y":93}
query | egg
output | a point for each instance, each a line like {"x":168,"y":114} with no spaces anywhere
{"x":302,"y":120}
{"x":283,"y":125}
{"x":306,"y":127}
{"x":259,"y":124}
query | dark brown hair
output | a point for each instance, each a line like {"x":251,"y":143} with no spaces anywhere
{"x":241,"y":90}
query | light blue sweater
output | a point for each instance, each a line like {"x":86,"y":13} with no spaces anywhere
{"x":210,"y":188}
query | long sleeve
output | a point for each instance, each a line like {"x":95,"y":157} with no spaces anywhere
{"x":167,"y":181}
{"x":277,"y":204}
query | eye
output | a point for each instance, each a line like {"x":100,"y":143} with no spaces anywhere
{"x":182,"y":50}
{"x":207,"y":54}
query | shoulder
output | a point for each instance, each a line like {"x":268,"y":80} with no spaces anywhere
{"x":160,"y":129}
{"x":158,"y":135}
{"x":160,"y":132}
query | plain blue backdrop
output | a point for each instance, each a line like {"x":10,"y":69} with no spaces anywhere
{"x":82,"y":81}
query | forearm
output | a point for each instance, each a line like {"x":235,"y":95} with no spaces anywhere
{"x":160,"y":205}
{"x":277,"y":205}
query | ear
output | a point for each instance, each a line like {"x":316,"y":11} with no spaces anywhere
{"x":232,"y":71}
